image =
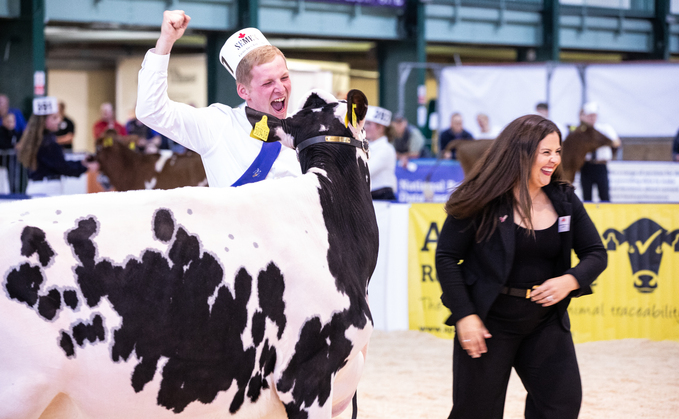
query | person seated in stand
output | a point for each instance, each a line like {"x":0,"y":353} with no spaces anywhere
{"x":39,"y":152}
{"x":382,"y":161}
{"x":146,"y":140}
{"x":408,"y":140}
{"x":107,"y":121}
{"x":486,"y":130}
{"x":9,"y":137}
{"x":5,"y":109}
{"x":455,"y":132}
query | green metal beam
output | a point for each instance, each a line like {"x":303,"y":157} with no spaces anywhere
{"x":549,"y":50}
{"x":248,"y":14}
{"x":661,"y":31}
{"x":38,"y":33}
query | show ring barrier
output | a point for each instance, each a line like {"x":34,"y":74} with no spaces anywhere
{"x":637,"y":296}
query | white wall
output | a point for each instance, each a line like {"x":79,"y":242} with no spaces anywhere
{"x":638,"y":100}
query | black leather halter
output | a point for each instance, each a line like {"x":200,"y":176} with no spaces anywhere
{"x":363,"y":145}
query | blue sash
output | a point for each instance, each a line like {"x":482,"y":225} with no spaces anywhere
{"x":261,"y":166}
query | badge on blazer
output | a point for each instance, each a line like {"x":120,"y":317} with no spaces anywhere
{"x":564,"y":223}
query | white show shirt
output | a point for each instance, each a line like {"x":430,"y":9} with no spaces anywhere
{"x":382,"y":164}
{"x":219,"y":133}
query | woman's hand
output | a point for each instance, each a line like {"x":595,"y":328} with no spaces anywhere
{"x":554,"y":290}
{"x":472,"y":335}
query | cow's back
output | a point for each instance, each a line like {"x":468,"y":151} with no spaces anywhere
{"x":149,"y":297}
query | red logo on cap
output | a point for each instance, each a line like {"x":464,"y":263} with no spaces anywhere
{"x":241,"y":35}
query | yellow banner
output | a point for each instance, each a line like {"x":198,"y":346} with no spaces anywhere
{"x":637,"y":296}
{"x":425,"y":310}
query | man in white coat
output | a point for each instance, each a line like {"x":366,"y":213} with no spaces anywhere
{"x":382,"y":162}
{"x":595,"y":171}
{"x":219,"y":133}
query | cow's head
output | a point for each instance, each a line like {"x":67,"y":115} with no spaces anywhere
{"x":644,"y":239}
{"x":321,"y":118}
{"x":110,"y":139}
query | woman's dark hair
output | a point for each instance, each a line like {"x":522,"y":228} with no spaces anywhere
{"x":30,"y":142}
{"x":507,"y":163}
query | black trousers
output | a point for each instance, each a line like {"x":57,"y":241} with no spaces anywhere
{"x":590,"y":174}
{"x":529,"y":338}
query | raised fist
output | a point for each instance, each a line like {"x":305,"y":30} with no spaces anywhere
{"x":173,"y":27}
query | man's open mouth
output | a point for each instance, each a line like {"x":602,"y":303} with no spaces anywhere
{"x":278,"y":104}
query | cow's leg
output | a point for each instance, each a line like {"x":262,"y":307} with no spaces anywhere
{"x":23,"y":398}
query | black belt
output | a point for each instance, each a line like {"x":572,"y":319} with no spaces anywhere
{"x":518,"y":292}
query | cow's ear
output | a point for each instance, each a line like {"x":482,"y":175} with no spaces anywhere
{"x":613,"y":238}
{"x":316,"y":99}
{"x":673,"y":239}
{"x":263,"y":125}
{"x":357,"y":107}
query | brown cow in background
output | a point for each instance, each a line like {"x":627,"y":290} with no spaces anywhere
{"x":128,"y":169}
{"x":580,"y":141}
{"x":468,"y":152}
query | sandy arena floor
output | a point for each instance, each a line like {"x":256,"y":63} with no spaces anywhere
{"x":409,"y":375}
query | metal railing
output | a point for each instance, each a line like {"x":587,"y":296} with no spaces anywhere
{"x":13,"y":176}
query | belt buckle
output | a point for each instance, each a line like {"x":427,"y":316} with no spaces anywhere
{"x":528,"y":291}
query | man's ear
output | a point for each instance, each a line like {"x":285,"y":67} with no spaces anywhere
{"x":242,"y":91}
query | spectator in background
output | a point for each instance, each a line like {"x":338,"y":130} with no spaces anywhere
{"x":39,"y":152}
{"x":66,"y":129}
{"x":542,"y":109}
{"x":455,"y":132}
{"x":9,"y":138}
{"x":486,"y":130}
{"x":5,"y":109}
{"x":382,"y":162}
{"x":408,"y":140}
{"x":147,"y":140}
{"x":595,"y":170}
{"x":675,"y":148}
{"x":107,"y":122}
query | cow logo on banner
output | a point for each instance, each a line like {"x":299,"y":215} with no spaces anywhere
{"x":645,"y":239}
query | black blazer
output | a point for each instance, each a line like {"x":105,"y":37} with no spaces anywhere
{"x":472,"y":286}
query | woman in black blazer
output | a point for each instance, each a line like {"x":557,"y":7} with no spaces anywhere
{"x":504,"y":263}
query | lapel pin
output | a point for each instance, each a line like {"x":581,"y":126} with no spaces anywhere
{"x":503,"y":218}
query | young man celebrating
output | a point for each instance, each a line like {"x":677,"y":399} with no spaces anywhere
{"x":219,"y":133}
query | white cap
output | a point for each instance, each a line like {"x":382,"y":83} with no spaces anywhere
{"x":238,"y":45}
{"x":45,"y":105}
{"x":590,"y":108}
{"x":378,"y":115}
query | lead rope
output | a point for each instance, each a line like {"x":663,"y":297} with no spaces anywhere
{"x":354,"y":405}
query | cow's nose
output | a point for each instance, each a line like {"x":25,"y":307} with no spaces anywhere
{"x":646,"y":283}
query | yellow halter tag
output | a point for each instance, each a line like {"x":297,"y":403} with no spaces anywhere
{"x":132,"y":145}
{"x":261,"y":130}
{"x":107,"y":142}
{"x":353,"y":116}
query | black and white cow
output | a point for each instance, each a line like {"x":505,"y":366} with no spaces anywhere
{"x":246,"y":302}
